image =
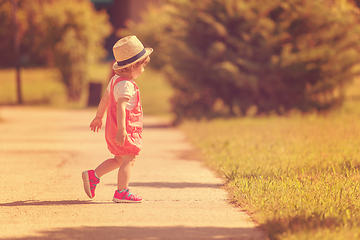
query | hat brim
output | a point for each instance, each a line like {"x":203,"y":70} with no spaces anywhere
{"x":148,"y":52}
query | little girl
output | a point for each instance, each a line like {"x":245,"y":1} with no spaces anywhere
{"x":123,"y":130}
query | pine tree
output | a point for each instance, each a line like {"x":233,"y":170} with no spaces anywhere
{"x":227,"y":56}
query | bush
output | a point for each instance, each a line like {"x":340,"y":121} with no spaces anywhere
{"x":228,"y":57}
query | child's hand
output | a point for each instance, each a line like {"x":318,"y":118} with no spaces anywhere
{"x":120,"y":137}
{"x":96,"y":124}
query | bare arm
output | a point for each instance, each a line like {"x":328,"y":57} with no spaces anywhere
{"x":96,"y":123}
{"x":121,"y":134}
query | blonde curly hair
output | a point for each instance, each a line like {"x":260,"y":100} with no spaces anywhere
{"x":126,"y":72}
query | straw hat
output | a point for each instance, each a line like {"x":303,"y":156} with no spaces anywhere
{"x":129,"y":50}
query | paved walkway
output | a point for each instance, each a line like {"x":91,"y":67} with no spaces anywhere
{"x":43,"y":152}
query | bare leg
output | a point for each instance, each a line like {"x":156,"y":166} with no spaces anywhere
{"x":107,"y":166}
{"x":126,"y":162}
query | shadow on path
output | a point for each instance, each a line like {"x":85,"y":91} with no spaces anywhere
{"x":171,"y":185}
{"x":156,"y":125}
{"x":49,"y":203}
{"x":143,"y":233}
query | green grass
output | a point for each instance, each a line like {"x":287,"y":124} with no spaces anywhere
{"x":39,"y":86}
{"x":298,"y":176}
{"x":155,"y":93}
{"x":43,"y":87}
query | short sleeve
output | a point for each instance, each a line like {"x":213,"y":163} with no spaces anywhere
{"x":124,"y":89}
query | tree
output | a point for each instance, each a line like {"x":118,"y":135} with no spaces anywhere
{"x":66,"y":34}
{"x":357,"y":2}
{"x":75,"y":33}
{"x":227,"y":56}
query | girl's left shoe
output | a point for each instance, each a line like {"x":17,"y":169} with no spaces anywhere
{"x":126,"y":196}
{"x":90,"y":182}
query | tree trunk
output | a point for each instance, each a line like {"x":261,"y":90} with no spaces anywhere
{"x":17,"y":54}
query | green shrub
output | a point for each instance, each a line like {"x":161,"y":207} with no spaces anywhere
{"x":230,"y":56}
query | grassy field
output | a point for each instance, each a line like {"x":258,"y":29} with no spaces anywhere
{"x":39,"y":86}
{"x":43,"y":87}
{"x":298,"y":176}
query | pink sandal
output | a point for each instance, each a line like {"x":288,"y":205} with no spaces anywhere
{"x":125,"y":196}
{"x":90,"y":182}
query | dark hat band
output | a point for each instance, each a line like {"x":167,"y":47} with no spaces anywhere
{"x":132,"y":59}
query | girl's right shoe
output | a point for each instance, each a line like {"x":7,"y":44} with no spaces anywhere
{"x":126,"y":196}
{"x":90,"y":182}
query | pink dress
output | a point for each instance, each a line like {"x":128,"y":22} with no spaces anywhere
{"x":134,"y":121}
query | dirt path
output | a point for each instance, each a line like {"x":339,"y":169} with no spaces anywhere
{"x":43,"y":152}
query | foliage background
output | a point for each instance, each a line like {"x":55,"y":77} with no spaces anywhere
{"x":228,"y":58}
{"x":64,"y":34}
